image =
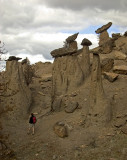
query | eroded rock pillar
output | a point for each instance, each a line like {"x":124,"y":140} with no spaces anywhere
{"x":99,"y":104}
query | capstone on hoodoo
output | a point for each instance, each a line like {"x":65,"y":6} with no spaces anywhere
{"x":104,"y":36}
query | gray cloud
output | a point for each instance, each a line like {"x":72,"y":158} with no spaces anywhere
{"x":28,"y":27}
{"x":83,"y":4}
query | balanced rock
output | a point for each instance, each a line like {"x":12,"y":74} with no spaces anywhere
{"x":103,"y":28}
{"x":60,"y":129}
{"x":120,"y":69}
{"x":72,"y":38}
{"x":12,"y":58}
{"x":111,"y":77}
{"x":63,"y":52}
{"x":86,"y":42}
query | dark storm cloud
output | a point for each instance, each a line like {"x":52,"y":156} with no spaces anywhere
{"x":82,"y":4}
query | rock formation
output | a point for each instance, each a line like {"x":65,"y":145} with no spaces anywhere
{"x":11,"y":58}
{"x":69,"y":72}
{"x":85,"y":62}
{"x":104,"y":36}
{"x":99,"y":105}
{"x":18,"y":96}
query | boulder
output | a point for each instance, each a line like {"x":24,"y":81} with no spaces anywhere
{"x":86,"y":42}
{"x":60,"y":129}
{"x":111,"y":77}
{"x":72,"y":38}
{"x":103,"y":28}
{"x":70,"y":106}
{"x":120,"y":69}
{"x":63,"y":52}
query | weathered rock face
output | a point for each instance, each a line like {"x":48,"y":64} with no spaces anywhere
{"x":103,"y":38}
{"x":16,"y":95}
{"x":107,"y":64}
{"x":121,"y":44}
{"x":85,"y":61}
{"x":67,"y":75}
{"x":120,"y":69}
{"x":97,"y":92}
{"x":99,"y":105}
{"x":106,"y":44}
{"x":70,"y":72}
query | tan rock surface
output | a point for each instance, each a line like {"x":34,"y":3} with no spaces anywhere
{"x":111,"y":77}
{"x":120,"y":69}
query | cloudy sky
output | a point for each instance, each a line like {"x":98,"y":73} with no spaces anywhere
{"x":33,"y":28}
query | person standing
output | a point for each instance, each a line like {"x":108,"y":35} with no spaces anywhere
{"x":32,"y":121}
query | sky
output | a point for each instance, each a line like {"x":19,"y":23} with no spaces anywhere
{"x":33,"y":28}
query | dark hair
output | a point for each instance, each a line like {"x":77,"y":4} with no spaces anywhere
{"x":32,"y":114}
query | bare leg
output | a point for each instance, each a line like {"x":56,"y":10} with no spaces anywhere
{"x":33,"y":128}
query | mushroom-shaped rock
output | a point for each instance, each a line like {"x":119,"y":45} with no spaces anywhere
{"x":103,"y":28}
{"x":11,"y":58}
{"x":86,"y":42}
{"x":72,"y":38}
